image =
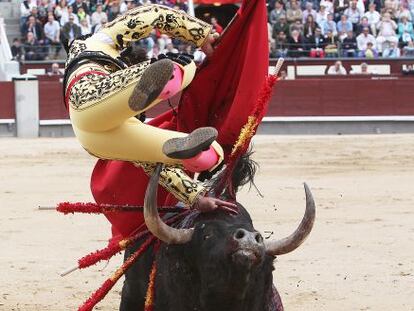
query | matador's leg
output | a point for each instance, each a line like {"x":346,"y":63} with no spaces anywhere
{"x":104,"y":122}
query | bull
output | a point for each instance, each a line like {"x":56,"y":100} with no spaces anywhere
{"x":220,"y":263}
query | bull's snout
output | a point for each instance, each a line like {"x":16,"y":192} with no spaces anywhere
{"x":250,"y":247}
{"x":244,"y":237}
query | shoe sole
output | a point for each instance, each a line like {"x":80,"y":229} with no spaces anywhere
{"x":151,"y":84}
{"x":187,"y":147}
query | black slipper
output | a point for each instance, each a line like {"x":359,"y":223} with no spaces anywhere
{"x":189,"y":146}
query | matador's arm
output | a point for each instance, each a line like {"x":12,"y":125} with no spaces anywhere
{"x":138,"y":23}
{"x":177,"y":182}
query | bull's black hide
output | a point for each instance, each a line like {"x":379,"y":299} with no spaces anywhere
{"x":215,"y":271}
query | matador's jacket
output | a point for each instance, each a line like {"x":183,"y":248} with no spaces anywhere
{"x":98,"y":84}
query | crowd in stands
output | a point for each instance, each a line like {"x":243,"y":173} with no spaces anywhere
{"x":297,"y":28}
{"x":341,"y":28}
{"x":44,"y":24}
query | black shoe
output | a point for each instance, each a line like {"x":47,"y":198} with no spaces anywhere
{"x":187,"y":147}
{"x":151,"y":84}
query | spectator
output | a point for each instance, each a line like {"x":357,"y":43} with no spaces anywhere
{"x":392,"y":51}
{"x":331,"y":47}
{"x":339,"y":8}
{"x":66,"y":15}
{"x":296,"y":26}
{"x":409,"y":69}
{"x":86,"y":29}
{"x":369,"y":51}
{"x":283,"y":75}
{"x":55,"y":70}
{"x":316,"y":44}
{"x":276,"y":13}
{"x":390,"y":6}
{"x":337,"y":69}
{"x":52,"y":35}
{"x":328,"y":5}
{"x":32,"y":48}
{"x":349,"y":45}
{"x":98,"y":15}
{"x":34,"y":26}
{"x":281,"y":25}
{"x":80,"y":4}
{"x":410,"y":6}
{"x":344,"y":26}
{"x":70,"y":30}
{"x":373,"y":18}
{"x":281,"y":45}
{"x":364,"y":38}
{"x":16,"y":50}
{"x":386,"y":32}
{"x":295,"y":44}
{"x":362,"y":24}
{"x":82,"y":15}
{"x":309,"y":27}
{"x":322,"y":15}
{"x":114,"y":9}
{"x":154,"y":52}
{"x":308,"y":11}
{"x":104,"y":20}
{"x":408,"y":51}
{"x":329,"y":26}
{"x":294,"y":13}
{"x":25,"y":12}
{"x":364,"y":70}
{"x":353,"y":14}
{"x":377,"y":3}
{"x":199,"y":56}
{"x":403,"y":12}
{"x":216,"y":26}
{"x":170,"y":49}
{"x":45,"y":7}
{"x":60,"y":9}
{"x":127,"y":5}
{"x":405,"y":31}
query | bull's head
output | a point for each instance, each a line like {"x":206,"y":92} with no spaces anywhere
{"x":246,"y":246}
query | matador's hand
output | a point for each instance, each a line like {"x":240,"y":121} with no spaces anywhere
{"x":208,"y":46}
{"x":209,"y":204}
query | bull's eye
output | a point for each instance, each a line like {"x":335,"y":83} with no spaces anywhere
{"x":206,"y":236}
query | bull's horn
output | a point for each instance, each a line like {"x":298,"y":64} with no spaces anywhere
{"x":153,"y":221}
{"x":293,"y":241}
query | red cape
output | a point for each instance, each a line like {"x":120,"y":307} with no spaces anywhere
{"x":222,"y":94}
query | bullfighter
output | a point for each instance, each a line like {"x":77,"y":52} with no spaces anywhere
{"x":105,"y":88}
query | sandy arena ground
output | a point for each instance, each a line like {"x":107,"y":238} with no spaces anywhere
{"x":360,"y":255}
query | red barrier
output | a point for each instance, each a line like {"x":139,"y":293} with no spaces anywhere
{"x":51,"y":98}
{"x":7,"y":110}
{"x":342,"y":97}
{"x":303,"y":97}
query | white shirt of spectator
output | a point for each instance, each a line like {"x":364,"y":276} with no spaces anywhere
{"x":354,"y":16}
{"x":373,"y":17}
{"x":52,"y":30}
{"x":328,"y":5}
{"x":199,"y":56}
{"x":332,"y":70}
{"x":26,"y":12}
{"x":387,"y":28}
{"x":96,"y":17}
{"x":322,"y":17}
{"x":362,"y":41}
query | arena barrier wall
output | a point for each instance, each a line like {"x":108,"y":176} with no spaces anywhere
{"x":295,"y":105}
